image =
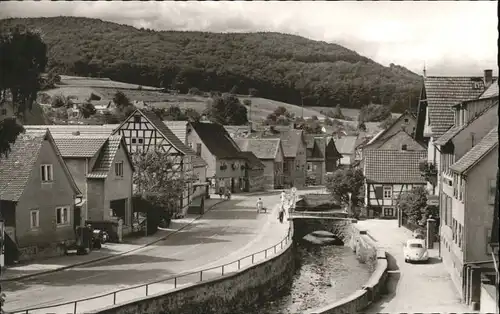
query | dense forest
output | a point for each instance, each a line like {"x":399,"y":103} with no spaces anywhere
{"x":282,"y":67}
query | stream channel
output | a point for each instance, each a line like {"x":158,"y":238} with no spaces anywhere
{"x":323,"y":275}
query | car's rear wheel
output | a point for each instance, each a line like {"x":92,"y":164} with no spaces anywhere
{"x":406,"y":260}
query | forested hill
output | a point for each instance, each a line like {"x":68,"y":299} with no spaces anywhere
{"x":279,"y":66}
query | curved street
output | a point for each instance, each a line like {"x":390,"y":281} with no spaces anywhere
{"x":229,"y":231}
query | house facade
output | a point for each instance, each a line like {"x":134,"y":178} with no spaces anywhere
{"x":270,"y":153}
{"x":346,"y":147}
{"x":467,"y":184}
{"x":389,"y":173}
{"x":225,"y":163}
{"x":143,"y":131}
{"x":321,"y":156}
{"x":254,"y":173}
{"x":332,"y":155}
{"x":37,"y":198}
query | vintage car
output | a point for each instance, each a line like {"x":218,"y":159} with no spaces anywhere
{"x":415,"y":251}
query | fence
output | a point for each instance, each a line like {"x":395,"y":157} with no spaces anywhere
{"x":160,"y":286}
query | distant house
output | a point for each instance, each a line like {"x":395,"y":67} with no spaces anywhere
{"x":238,"y":131}
{"x":406,"y":122}
{"x":144,"y":131}
{"x":270,"y":153}
{"x":37,"y":198}
{"x":294,"y":149}
{"x":254,"y":172}
{"x":346,"y":147}
{"x":389,"y":173}
{"x":226,"y":164}
{"x":322,"y":157}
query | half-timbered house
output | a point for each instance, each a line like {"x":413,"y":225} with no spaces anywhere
{"x":389,"y":173}
{"x":144,"y":131}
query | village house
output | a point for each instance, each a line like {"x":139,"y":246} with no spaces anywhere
{"x":321,"y":156}
{"x":389,"y":173}
{"x":294,"y":149}
{"x":435,"y":117}
{"x":270,"y":152}
{"x":37,"y":198}
{"x":346,"y":146}
{"x":143,"y":131}
{"x":226,"y":165}
{"x":465,"y":174}
{"x":238,"y":131}
{"x":254,"y":173}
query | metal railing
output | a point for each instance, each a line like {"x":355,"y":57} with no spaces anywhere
{"x":85,"y":305}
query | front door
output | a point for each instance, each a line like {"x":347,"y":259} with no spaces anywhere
{"x":77,"y":217}
{"x":232,"y":185}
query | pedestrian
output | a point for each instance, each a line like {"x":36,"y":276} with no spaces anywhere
{"x":281,"y":213}
{"x":260,"y":205}
{"x":220,"y":192}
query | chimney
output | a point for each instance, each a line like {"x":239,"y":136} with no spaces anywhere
{"x":488,"y":78}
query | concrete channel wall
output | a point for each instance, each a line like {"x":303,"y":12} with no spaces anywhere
{"x":366,"y":252}
{"x":221,"y":295}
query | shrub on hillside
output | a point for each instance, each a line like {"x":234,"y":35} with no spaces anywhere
{"x":374,"y":113}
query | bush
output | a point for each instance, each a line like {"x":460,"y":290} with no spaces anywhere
{"x":374,"y":113}
{"x":195,"y":91}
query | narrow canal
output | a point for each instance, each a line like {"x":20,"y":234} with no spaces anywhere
{"x":323,"y":274}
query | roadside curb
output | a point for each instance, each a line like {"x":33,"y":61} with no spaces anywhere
{"x":108,"y":257}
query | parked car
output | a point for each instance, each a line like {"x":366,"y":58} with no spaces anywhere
{"x":415,"y":251}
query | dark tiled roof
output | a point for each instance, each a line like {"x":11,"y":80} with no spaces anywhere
{"x":290,"y":139}
{"x":393,"y":166}
{"x":106,"y":156}
{"x":217,"y":140}
{"x":266,"y":148}
{"x":16,"y":168}
{"x":444,"y":92}
{"x":253,"y":161}
{"x":78,"y":146}
{"x":476,"y":153}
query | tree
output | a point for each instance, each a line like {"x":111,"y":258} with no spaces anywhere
{"x":121,"y":100}
{"x":195,"y":91}
{"x":23,"y":57}
{"x":88,"y":110}
{"x":247,"y":103}
{"x":386,"y":123}
{"x":413,"y":205}
{"x":174,"y":113}
{"x":280,"y":111}
{"x":58,"y":101}
{"x":374,"y":113}
{"x":159,"y":182}
{"x":234,"y":90}
{"x":227,"y":110}
{"x":192,"y":115}
{"x":344,"y":181}
{"x":362,"y":126}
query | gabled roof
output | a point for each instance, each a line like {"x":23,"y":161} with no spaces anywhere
{"x":237,"y":130}
{"x":444,"y":92}
{"x":290,"y":139}
{"x":380,"y":135}
{"x":394,"y":166}
{"x":265,"y":148}
{"x":85,"y":130}
{"x":491,"y":91}
{"x":216,"y":139}
{"x":16,"y":168}
{"x":454,"y":130}
{"x":106,"y":157}
{"x":253,"y":161}
{"x":167,"y":134}
{"x":178,"y":128}
{"x":346,"y":144}
{"x":476,"y":153}
{"x":380,"y":143}
{"x":77,"y":146}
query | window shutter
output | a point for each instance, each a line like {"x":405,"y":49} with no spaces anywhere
{"x":378,"y":192}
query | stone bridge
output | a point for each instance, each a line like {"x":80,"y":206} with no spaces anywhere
{"x":337,"y":222}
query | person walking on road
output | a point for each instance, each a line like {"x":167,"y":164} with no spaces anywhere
{"x":281,"y":213}
{"x":220,"y":192}
{"x":260,"y":205}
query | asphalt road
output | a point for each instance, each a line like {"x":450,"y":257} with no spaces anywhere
{"x":227,"y":232}
{"x":411,"y":288}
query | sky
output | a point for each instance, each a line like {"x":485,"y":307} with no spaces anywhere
{"x":448,"y":37}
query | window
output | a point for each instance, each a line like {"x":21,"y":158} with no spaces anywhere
{"x":285,"y":166}
{"x":444,"y":210}
{"x":387,"y":192}
{"x":136,"y":140}
{"x":4,"y":112}
{"x":404,"y":147}
{"x":119,"y":169}
{"x":46,"y":173}
{"x":492,"y":190}
{"x":62,"y":216}
{"x":198,"y":149}
{"x":309,"y":166}
{"x":449,"y":208}
{"x":460,"y":231}
{"x":137,"y":119}
{"x":34,"y":219}
{"x":407,"y":121}
{"x":453,"y":228}
{"x":388,"y":211}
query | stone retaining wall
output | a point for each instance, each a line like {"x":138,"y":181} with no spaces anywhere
{"x":222,"y":295}
{"x":367,"y":252}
